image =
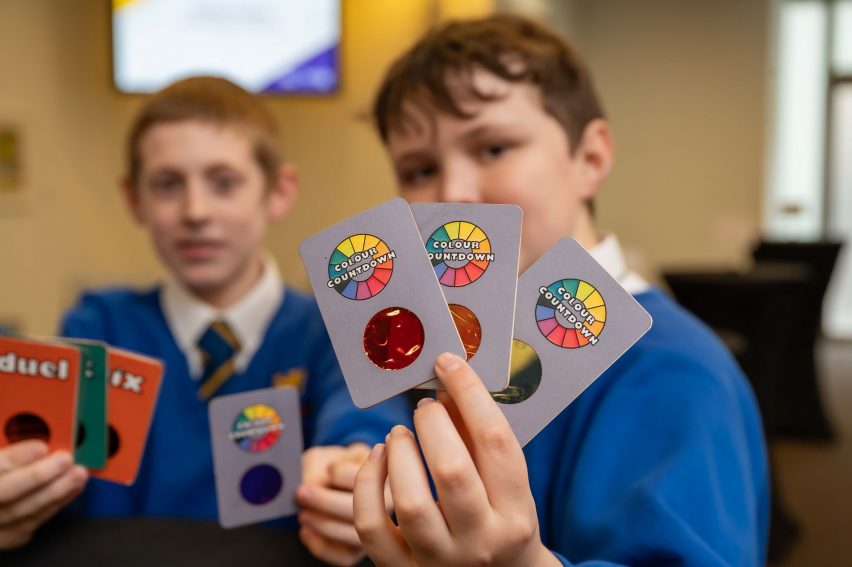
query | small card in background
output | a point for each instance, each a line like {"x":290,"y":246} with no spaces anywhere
{"x":91,"y":448}
{"x":134,"y":384}
{"x":572,"y":321}
{"x":38,"y":392}
{"x":257,"y":454}
{"x":380,"y":301}
{"x":474,"y":250}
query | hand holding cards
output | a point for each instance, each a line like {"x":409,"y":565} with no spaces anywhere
{"x":83,"y":397}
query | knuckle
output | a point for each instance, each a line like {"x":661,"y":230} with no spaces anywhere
{"x":497,"y":438}
{"x":411,"y":510}
{"x":368,"y":529}
{"x":522,"y":530}
{"x":452,"y":473}
{"x":480,"y":555}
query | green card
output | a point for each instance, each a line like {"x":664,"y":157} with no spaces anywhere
{"x":91,"y":451}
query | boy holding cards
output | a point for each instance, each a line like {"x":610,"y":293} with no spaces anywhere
{"x":205,"y":176}
{"x":661,"y":460}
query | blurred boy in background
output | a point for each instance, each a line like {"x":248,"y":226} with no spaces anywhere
{"x":205,"y":177}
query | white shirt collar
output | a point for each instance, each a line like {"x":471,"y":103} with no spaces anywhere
{"x":189,"y":317}
{"x":610,"y":256}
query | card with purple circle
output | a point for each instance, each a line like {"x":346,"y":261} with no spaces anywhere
{"x":257,"y":454}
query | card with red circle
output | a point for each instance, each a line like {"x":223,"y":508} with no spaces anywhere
{"x":134,"y":384}
{"x":38,"y":392}
{"x":474,"y":250}
{"x":380,"y":301}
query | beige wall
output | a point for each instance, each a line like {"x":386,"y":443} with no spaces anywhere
{"x":683,"y":83}
{"x":70,"y":230}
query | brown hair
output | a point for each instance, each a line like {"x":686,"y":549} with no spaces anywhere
{"x":511,"y":47}
{"x":214,"y":100}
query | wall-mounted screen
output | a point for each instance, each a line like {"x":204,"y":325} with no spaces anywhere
{"x":266,"y":46}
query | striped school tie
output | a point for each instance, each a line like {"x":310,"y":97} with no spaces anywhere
{"x":219,"y":347}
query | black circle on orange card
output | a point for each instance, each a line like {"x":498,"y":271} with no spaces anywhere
{"x":470,"y":331}
{"x":23,"y":426}
{"x":261,"y":484}
{"x":393,"y":338}
{"x":524,"y":375}
{"x":113,"y":442}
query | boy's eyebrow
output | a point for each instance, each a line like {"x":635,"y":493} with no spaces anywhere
{"x":412,"y":155}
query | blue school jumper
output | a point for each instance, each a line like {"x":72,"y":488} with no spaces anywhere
{"x":176,"y":475}
{"x":661,"y":461}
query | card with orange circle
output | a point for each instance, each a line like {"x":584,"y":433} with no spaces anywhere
{"x":134,"y":384}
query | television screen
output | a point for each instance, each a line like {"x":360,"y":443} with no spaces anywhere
{"x":266,"y":46}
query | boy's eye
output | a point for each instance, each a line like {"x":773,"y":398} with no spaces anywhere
{"x":417,"y":175}
{"x":225,"y":183}
{"x":493,"y":151}
{"x":165,"y":185}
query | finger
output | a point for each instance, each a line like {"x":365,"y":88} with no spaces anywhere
{"x":20,"y":454}
{"x":315,"y":463}
{"x":330,"y":527}
{"x":342,"y":474}
{"x":461,"y":494}
{"x":60,"y":489}
{"x":455,"y":416}
{"x":330,"y":552}
{"x":380,"y":538}
{"x":495,"y":449}
{"x":20,"y":533}
{"x":24,"y":479}
{"x":419,"y":518}
{"x":337,"y":503}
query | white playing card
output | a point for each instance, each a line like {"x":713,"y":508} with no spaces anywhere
{"x":572,"y":321}
{"x":257,"y":454}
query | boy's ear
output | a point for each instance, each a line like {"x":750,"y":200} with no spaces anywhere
{"x":282,"y":194}
{"x":595,"y":154}
{"x":131,"y":199}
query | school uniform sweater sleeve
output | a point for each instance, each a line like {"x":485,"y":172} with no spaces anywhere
{"x":681,"y":485}
{"x":88,"y":319}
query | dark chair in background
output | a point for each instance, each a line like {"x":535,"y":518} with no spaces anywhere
{"x":799,"y":409}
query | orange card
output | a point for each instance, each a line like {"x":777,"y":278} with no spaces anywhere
{"x":38,"y":392}
{"x":134,"y":383}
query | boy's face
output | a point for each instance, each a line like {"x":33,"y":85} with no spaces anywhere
{"x":204,"y":199}
{"x":510,"y":151}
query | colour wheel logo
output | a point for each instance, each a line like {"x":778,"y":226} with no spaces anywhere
{"x":360,"y":267}
{"x":570,"y":313}
{"x":460,"y":252}
{"x":257,"y":428}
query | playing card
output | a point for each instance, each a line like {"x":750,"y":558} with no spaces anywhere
{"x":134,"y":384}
{"x":38,"y":392}
{"x":572,"y":321}
{"x":91,"y":451}
{"x":380,"y":301}
{"x":257,"y":454}
{"x":474,"y":250}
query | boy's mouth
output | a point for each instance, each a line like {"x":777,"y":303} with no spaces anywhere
{"x":199,"y":250}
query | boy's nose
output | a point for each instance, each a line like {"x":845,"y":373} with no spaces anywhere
{"x":196,"y":209}
{"x":460,"y":184}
